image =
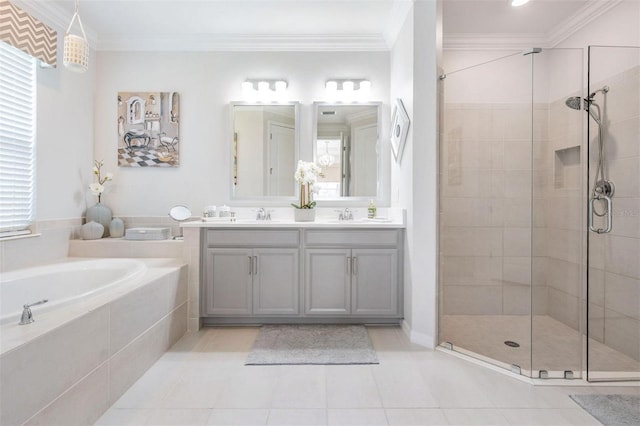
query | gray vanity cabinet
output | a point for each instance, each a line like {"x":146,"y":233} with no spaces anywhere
{"x":355,"y":275}
{"x":327,"y":281}
{"x":298,"y":275}
{"x":252,"y":279}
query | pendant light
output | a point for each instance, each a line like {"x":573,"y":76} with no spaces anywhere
{"x":326,"y":159}
{"x":76,"y":49}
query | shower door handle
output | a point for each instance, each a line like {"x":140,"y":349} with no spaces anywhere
{"x":607,"y":214}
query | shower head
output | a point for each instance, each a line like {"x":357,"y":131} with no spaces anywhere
{"x":604,"y":89}
{"x":577,"y":103}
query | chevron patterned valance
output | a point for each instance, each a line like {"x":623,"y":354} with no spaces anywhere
{"x":28,"y":34}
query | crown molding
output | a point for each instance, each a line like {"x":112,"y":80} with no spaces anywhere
{"x":242,"y":43}
{"x":55,"y":17}
{"x":469,"y":41}
{"x":588,"y":13}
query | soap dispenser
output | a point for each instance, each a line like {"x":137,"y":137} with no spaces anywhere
{"x":371,"y":211}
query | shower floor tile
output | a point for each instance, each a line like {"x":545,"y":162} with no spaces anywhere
{"x":557,"y":347}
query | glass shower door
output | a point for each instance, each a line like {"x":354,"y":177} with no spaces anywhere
{"x":613,"y":289}
{"x":485,"y":211}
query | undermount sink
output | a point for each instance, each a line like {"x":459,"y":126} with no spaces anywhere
{"x":361,"y":220}
{"x":254,"y":221}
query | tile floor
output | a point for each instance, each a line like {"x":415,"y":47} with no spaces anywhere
{"x":202,"y":380}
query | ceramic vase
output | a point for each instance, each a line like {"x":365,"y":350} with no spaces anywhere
{"x":116,"y":228}
{"x":101,"y":214}
{"x":304,"y":215}
{"x":92,"y":231}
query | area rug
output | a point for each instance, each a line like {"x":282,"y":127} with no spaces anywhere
{"x":610,"y":410}
{"x":312,"y":344}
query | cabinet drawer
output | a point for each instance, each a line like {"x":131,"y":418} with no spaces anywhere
{"x":252,"y":238}
{"x":352,"y":238}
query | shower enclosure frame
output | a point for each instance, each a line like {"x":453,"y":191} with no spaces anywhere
{"x":581,"y":349}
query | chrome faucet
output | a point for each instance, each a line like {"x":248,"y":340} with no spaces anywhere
{"x":263,"y":214}
{"x":345,"y":215}
{"x":27,"y":317}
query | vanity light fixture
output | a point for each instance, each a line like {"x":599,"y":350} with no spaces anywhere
{"x":264,"y":90}
{"x":348,"y":90}
{"x":75,"y":54}
{"x":516,"y":3}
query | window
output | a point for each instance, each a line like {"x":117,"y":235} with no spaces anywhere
{"x":17,"y":140}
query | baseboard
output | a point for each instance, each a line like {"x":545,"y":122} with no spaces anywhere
{"x":421,"y":339}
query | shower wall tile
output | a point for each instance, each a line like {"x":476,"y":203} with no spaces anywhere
{"x":517,"y":122}
{"x":517,"y":270}
{"x":565,"y":245}
{"x":516,"y":211}
{"x":620,"y":139}
{"x":472,"y":242}
{"x":622,"y":256}
{"x":472,"y":183}
{"x":473,"y":300}
{"x":517,"y":241}
{"x":626,"y":216}
{"x":622,"y":99}
{"x":540,"y":297}
{"x":564,"y":276}
{"x":517,"y":183}
{"x":622,"y":294}
{"x":596,"y":322}
{"x":622,"y":333}
{"x":519,"y":154}
{"x":469,"y":270}
{"x":564,"y":307}
{"x":625,"y":173}
{"x":467,"y":212}
{"x":516,"y":299}
{"x":596,"y":286}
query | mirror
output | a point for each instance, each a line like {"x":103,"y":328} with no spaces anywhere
{"x":265,"y":150}
{"x":346,"y":147}
{"x":179,"y":213}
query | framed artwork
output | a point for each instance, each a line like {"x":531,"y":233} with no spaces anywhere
{"x":399,"y":129}
{"x":148,"y":129}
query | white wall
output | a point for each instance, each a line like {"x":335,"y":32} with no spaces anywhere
{"x":207,"y":83}
{"x":414,"y":77}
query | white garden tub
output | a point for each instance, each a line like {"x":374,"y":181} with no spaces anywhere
{"x":106,"y":322}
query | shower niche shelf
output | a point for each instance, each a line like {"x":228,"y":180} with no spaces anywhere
{"x":566,"y":168}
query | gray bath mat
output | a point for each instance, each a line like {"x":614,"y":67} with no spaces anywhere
{"x":312,"y":344}
{"x":611,"y":410}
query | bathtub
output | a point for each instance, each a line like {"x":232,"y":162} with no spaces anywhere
{"x":106,"y":322}
{"x":62,"y":284}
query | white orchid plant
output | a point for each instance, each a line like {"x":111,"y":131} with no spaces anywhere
{"x":307,"y":175}
{"x":97,"y":188}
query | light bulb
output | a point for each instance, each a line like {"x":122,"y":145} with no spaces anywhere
{"x":281,"y":86}
{"x":516,"y":3}
{"x":263,"y":86}
{"x":348,"y":86}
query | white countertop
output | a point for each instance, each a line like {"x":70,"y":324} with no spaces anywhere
{"x":325,"y":218}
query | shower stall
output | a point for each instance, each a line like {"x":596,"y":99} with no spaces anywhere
{"x":539,"y":227}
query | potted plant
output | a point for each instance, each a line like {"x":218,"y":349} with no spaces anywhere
{"x":306,"y":175}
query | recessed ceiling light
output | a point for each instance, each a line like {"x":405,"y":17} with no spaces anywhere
{"x":516,"y":3}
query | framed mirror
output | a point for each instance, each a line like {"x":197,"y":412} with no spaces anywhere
{"x":265,"y":151}
{"x":346,"y":145}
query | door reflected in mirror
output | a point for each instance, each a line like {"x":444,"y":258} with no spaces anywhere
{"x":346,"y":147}
{"x":265,"y":150}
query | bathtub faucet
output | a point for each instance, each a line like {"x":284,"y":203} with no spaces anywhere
{"x":27,"y":317}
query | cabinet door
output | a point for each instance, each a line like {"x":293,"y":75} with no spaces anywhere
{"x":227,"y":283}
{"x":327,"y":281}
{"x":374,"y":282}
{"x":275,"y":281}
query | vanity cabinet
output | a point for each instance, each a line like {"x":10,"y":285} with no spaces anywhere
{"x":301,"y":275}
{"x":355,"y":273}
{"x":252,"y":279}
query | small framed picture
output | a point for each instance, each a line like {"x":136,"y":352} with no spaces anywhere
{"x":399,"y":129}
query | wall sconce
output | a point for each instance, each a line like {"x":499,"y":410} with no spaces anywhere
{"x":348,"y":90}
{"x":119,"y":100}
{"x":152,"y":99}
{"x":264,"y":90}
